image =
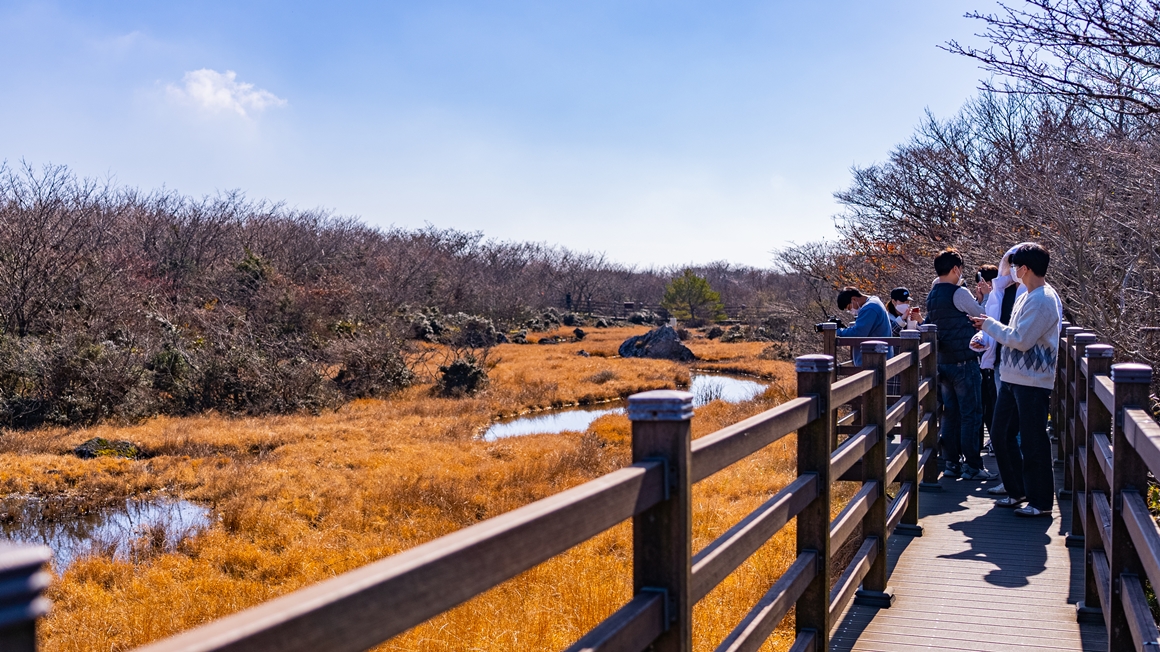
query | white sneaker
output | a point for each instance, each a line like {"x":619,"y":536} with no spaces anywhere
{"x":977,"y":474}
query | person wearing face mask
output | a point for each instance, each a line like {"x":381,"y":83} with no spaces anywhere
{"x":1005,"y":291}
{"x":902,"y":315}
{"x":984,"y":284}
{"x":870,"y":317}
{"x":949,"y":306}
{"x":1027,"y":367}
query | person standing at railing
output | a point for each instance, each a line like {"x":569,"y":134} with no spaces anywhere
{"x":870,"y":318}
{"x":948,"y":306}
{"x":902,"y":314}
{"x":1027,"y":369}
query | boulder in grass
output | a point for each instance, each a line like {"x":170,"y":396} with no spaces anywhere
{"x":101,"y":447}
{"x":662,"y":343}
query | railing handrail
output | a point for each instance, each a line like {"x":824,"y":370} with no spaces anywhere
{"x":1108,"y":443}
{"x":368,"y":605}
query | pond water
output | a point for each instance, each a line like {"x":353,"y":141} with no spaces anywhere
{"x":126,"y":531}
{"x":704,"y":387}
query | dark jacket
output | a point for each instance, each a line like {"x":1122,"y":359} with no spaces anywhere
{"x":954,"y":329}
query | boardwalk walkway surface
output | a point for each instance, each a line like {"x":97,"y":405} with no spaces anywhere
{"x":979,"y":578}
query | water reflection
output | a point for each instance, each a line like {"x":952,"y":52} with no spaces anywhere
{"x":128,"y":531}
{"x":704,"y":387}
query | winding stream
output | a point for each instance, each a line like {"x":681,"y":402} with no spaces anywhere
{"x":704,"y":387}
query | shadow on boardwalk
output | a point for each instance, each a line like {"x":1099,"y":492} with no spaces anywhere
{"x":979,"y":578}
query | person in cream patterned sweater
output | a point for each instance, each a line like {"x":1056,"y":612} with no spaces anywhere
{"x":1027,"y":366}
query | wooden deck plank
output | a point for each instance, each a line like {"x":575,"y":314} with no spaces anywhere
{"x":979,"y":578}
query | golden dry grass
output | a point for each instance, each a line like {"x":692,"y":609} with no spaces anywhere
{"x":298,"y":499}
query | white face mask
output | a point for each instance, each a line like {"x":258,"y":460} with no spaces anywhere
{"x":1015,"y":276}
{"x":902,"y":308}
{"x":854,"y":311}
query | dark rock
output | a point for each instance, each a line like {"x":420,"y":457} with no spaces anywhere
{"x":715,"y":332}
{"x":501,"y":338}
{"x":734,"y":334}
{"x":662,"y":343}
{"x":602,"y":323}
{"x":583,"y":353}
{"x":101,"y":447}
{"x":553,"y":339}
{"x":520,"y":337}
{"x":579,"y":333}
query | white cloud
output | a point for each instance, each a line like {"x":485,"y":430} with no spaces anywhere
{"x":215,"y":91}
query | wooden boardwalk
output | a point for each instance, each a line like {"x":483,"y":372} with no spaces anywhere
{"x":980,"y":578}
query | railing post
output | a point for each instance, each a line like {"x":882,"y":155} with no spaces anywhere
{"x":874,"y":591}
{"x":1076,"y":435}
{"x":931,"y":405}
{"x":1056,"y":401}
{"x":22,"y":580}
{"x":662,"y":536}
{"x":814,"y":378}
{"x":1067,"y":408}
{"x":910,"y":379}
{"x":1129,"y":472}
{"x":1099,"y":419}
{"x":829,"y":331}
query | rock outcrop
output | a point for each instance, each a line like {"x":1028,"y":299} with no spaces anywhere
{"x":101,"y":447}
{"x":662,"y":343}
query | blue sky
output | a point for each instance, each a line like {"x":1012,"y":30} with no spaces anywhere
{"x":658,"y":132}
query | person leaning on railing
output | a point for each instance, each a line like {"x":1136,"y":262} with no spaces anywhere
{"x":902,"y":315}
{"x":1027,"y":369}
{"x":870,"y":318}
{"x":948,"y":306}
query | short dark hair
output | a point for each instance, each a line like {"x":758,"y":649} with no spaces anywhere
{"x":946,"y":261}
{"x":845,"y":295}
{"x":1034,"y":256}
{"x":988,"y":273}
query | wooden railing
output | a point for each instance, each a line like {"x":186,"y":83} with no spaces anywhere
{"x":1109,"y":444}
{"x":369,"y":605}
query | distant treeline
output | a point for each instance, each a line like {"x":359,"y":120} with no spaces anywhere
{"x":118,"y":302}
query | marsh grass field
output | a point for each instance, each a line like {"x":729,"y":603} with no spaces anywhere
{"x":298,"y":499}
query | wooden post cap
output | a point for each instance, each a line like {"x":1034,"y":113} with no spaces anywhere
{"x":814,"y":363}
{"x":825,"y":326}
{"x":875,"y":346}
{"x":1072,"y":330}
{"x":1086,"y":338}
{"x":910,"y":334}
{"x":22,"y":580}
{"x":1098,"y":351}
{"x":660,"y":405}
{"x":928,"y":328}
{"x":1131,"y":372}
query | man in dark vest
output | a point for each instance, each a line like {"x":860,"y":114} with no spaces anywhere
{"x":947,"y":306}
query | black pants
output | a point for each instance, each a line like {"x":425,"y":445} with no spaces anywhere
{"x":1022,"y":448}
{"x":989,"y":395}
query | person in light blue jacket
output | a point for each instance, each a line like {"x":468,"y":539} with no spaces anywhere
{"x":870,"y":318}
